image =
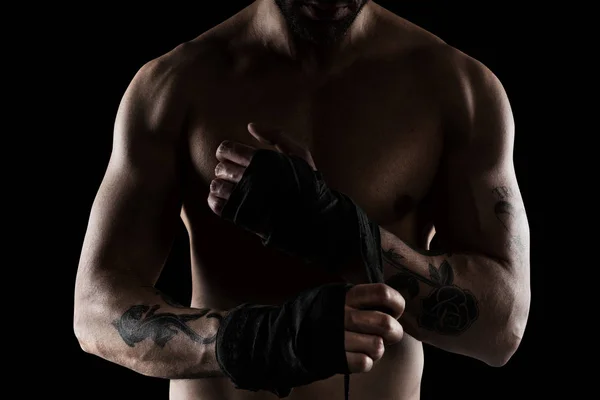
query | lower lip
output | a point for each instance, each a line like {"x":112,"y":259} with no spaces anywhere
{"x":327,"y":14}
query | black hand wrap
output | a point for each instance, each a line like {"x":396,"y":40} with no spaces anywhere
{"x":277,"y":348}
{"x":283,"y":199}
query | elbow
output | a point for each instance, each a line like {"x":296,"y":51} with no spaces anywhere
{"x":89,"y":318}
{"x":91,"y":309}
{"x":82,"y":332}
{"x":508,"y":336}
{"x":503,"y":351}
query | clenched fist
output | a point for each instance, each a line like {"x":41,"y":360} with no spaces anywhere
{"x":371,"y":323}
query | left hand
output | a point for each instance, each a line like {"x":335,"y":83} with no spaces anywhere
{"x":235,"y":157}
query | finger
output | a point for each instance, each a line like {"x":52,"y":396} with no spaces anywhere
{"x":373,"y":323}
{"x":282,"y":142}
{"x":229,"y":171}
{"x":376,"y":296}
{"x":264,"y":135}
{"x":276,"y":137}
{"x":216,"y":204}
{"x":358,"y":362}
{"x":369,"y":345}
{"x":235,"y":152}
{"x":221,"y":188}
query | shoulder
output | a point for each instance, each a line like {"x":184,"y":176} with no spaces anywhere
{"x":433,"y":58}
{"x":474,"y":100}
{"x":473,"y":104}
{"x":467,"y":91}
{"x":457,"y":74}
{"x":176,"y":69}
{"x":161,"y":90}
{"x":469,"y":94}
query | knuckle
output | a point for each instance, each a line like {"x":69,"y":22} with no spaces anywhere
{"x":381,"y":289}
{"x":387,"y":323}
{"x":219,"y":168}
{"x":400,"y":332}
{"x":383,"y":292}
{"x":378,"y":347}
{"x":224,"y":146}
{"x":363,"y":363}
{"x":212,"y":203}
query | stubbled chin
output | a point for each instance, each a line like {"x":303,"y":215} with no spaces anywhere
{"x":319,"y":14}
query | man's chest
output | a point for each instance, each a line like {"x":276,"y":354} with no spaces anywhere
{"x":380,"y":144}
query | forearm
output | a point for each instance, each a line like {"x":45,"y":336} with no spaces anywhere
{"x":468,"y":304}
{"x":146,"y":332}
{"x":463,"y":303}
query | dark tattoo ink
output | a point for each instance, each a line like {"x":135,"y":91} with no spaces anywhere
{"x":142,"y":322}
{"x":504,"y":211}
{"x":404,"y":279}
{"x":448,"y":309}
{"x":502,"y":192}
{"x":508,"y":214}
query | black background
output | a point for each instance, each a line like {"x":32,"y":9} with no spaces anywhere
{"x":98,"y":52}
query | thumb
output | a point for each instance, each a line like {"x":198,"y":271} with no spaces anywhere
{"x":282,"y":142}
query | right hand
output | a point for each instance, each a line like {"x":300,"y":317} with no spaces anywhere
{"x":367,"y":331}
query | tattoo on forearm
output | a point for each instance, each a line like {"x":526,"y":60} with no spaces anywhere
{"x":142,"y":322}
{"x":405,"y":279}
{"x":447,"y":309}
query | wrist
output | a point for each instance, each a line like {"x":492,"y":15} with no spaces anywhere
{"x":277,"y":348}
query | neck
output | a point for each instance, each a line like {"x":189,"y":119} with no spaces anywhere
{"x":271,"y":29}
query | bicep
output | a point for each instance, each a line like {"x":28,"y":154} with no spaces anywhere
{"x":479,"y":207}
{"x":136,"y":209}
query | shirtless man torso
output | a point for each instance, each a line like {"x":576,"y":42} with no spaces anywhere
{"x":383,"y":115}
